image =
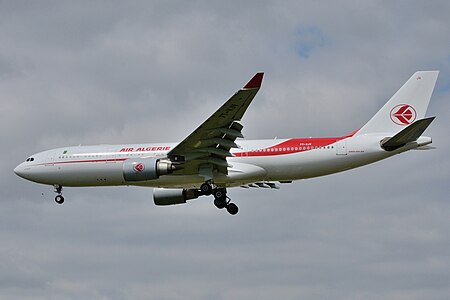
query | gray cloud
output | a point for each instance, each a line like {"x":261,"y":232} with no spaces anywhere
{"x":87,"y":73}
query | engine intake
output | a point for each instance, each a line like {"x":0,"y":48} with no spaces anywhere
{"x":173,"y":196}
{"x":141,"y":169}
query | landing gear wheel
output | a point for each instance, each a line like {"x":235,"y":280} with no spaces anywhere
{"x":219,"y":193}
{"x":58,"y":190}
{"x":59,"y":199}
{"x":220,"y":203}
{"x":232,"y":209}
{"x":220,"y":198}
{"x":206,"y":189}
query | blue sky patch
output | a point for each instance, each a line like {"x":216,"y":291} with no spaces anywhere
{"x":309,"y":39}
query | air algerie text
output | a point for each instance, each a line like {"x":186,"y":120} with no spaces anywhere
{"x":131,"y":149}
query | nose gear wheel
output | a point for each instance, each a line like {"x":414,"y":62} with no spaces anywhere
{"x":59,"y":198}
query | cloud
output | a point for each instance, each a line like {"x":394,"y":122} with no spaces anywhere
{"x":75,"y":73}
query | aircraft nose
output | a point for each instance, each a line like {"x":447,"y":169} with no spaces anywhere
{"x":20,"y":171}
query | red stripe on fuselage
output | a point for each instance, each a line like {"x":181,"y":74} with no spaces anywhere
{"x":293,"y":146}
{"x":84,"y":161}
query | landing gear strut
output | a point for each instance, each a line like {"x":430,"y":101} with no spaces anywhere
{"x":59,"y":198}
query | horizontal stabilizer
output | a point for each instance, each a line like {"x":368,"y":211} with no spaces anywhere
{"x":424,"y":148}
{"x":407,"y":135}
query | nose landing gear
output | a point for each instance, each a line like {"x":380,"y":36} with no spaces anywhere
{"x":59,"y":198}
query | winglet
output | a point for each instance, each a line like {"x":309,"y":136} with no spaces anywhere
{"x":255,"y":82}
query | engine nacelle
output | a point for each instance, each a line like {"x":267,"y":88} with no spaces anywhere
{"x":173,"y":196}
{"x":141,"y":169}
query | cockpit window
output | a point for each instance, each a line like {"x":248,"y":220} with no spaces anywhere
{"x":30,"y":159}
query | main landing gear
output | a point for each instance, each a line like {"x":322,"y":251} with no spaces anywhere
{"x":221,"y":200}
{"x":59,"y":198}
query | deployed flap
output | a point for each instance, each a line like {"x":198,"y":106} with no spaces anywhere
{"x":407,"y":135}
{"x":262,"y":184}
{"x":211,"y":142}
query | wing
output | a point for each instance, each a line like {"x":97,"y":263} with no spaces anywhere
{"x":206,"y":149}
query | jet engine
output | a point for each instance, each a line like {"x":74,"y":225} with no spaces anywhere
{"x":141,"y":169}
{"x":173,"y":196}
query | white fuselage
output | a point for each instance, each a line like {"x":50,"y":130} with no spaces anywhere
{"x":255,"y":160}
{"x":209,"y":160}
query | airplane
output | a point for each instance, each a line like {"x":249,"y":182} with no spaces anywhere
{"x":211,"y":159}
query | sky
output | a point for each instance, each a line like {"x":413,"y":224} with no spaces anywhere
{"x":97,"y":72}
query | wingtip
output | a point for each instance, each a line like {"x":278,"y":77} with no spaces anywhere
{"x":255,"y":82}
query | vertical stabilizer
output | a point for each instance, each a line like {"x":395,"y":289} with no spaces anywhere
{"x":408,"y":104}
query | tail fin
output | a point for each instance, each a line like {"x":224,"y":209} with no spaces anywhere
{"x":408,"y":104}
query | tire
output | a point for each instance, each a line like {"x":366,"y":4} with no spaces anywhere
{"x":219,"y":193}
{"x":232,"y":209}
{"x":206,"y":189}
{"x":220,"y":203}
{"x":59,"y":199}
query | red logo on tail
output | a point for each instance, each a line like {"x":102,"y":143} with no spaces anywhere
{"x":403,"y":114}
{"x":139,"y":168}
